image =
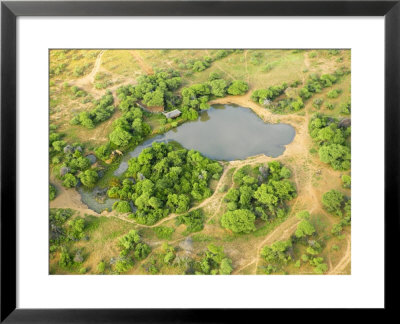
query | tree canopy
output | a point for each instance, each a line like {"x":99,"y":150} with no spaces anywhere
{"x":332,"y":140}
{"x":258,"y":192}
{"x":165,"y":179}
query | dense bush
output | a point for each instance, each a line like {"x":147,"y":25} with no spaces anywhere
{"x":52,"y":192}
{"x":238,"y":88}
{"x":166,"y":180}
{"x":260,"y":192}
{"x":193,"y":220}
{"x":265,"y":96}
{"x":332,"y":140}
{"x":214,"y":262}
{"x":129,"y":129}
{"x":276,"y":255}
{"x":102,"y":111}
{"x":197,"y":96}
{"x":153,"y":90}
{"x":345,"y":108}
{"x":131,"y":247}
{"x":334,"y":202}
{"x":89,"y":178}
{"x":239,"y":221}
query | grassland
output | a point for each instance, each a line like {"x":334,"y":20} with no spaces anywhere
{"x":260,"y":69}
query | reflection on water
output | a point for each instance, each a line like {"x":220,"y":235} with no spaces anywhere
{"x":224,"y":132}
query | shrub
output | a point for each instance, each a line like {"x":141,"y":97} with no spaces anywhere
{"x":239,"y":221}
{"x":164,"y":232}
{"x":333,"y":202}
{"x":193,"y":220}
{"x":122,"y":207}
{"x":346,"y":179}
{"x":52,"y":192}
{"x":101,"y":267}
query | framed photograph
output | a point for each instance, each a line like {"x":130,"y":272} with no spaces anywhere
{"x":160,"y":159}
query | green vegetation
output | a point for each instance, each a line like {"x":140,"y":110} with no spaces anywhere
{"x":69,"y":164}
{"x":102,"y":111}
{"x":253,"y":203}
{"x":152,"y":90}
{"x":193,"y":220}
{"x":166,"y":180}
{"x":333,"y":202}
{"x":291,"y":102}
{"x":346,"y":179}
{"x":277,"y":255}
{"x":283,"y":253}
{"x":164,"y":232}
{"x":129,"y":129}
{"x":131,"y":248}
{"x":332,"y":140}
{"x":316,"y":83}
{"x":52,"y":192}
{"x":345,"y":108}
{"x":197,"y":96}
{"x":214,"y":262}
{"x":64,"y":230}
{"x":265,"y":96}
{"x":260,"y":192}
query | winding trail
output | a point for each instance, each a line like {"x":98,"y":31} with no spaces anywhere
{"x":88,"y":80}
{"x":343,"y":263}
{"x":143,"y":65}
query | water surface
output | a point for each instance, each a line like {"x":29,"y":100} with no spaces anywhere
{"x":224,"y":132}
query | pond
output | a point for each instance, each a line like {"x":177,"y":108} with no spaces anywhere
{"x":224,"y":132}
{"x":96,"y":199}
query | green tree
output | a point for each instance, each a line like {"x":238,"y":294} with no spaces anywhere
{"x":346,"y":179}
{"x":333,"y":202}
{"x":89,"y":178}
{"x":218,"y":87}
{"x":101,"y":267}
{"x":336,"y":155}
{"x":225,"y":267}
{"x":70,"y":181}
{"x":305,"y":228}
{"x":304,"y":214}
{"x":120,"y":137}
{"x":239,"y":221}
{"x":122,"y":207}
{"x":76,"y":228}
{"x":52,"y":192}
{"x":238,"y":88}
{"x":58,"y":145}
{"x":193,"y":220}
{"x":123,"y":265}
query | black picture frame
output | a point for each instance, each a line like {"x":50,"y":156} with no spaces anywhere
{"x":9,"y":13}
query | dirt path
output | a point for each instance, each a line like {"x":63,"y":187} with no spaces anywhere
{"x":144,"y":66}
{"x":90,"y":78}
{"x":69,"y":198}
{"x":346,"y":259}
{"x":303,"y":164}
{"x":220,"y":68}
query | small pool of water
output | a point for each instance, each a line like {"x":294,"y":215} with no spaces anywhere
{"x":224,"y":132}
{"x":96,"y":199}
